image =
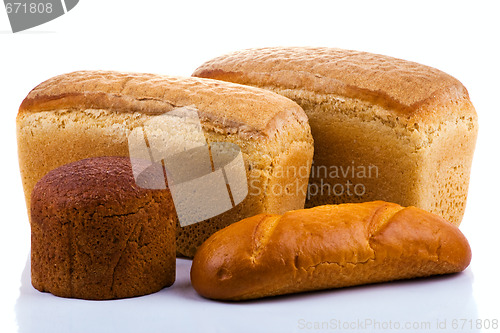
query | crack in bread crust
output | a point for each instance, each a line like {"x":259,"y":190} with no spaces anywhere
{"x":238,"y":108}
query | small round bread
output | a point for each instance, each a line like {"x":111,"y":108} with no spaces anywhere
{"x":95,"y":234}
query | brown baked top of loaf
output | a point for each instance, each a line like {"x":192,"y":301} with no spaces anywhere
{"x":105,"y":183}
{"x":229,"y":106}
{"x":404,"y":86}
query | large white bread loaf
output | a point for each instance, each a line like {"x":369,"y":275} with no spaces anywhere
{"x":384,"y":128}
{"x":92,"y":113}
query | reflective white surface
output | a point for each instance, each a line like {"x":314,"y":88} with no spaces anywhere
{"x":174,"y":37}
{"x":420,"y":305}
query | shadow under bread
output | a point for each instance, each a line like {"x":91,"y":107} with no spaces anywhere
{"x":424,"y":301}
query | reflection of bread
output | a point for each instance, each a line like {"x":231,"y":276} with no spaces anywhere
{"x":91,"y":113}
{"x":96,"y":235}
{"x":403,"y":131}
{"x":326,"y":247}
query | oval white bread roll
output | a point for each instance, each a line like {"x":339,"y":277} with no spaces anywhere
{"x":324,"y":247}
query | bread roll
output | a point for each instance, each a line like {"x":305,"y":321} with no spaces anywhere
{"x":384,"y":128}
{"x":96,"y":234}
{"x":93,"y":113}
{"x":324,"y":247}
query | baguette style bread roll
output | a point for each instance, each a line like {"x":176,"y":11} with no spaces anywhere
{"x":324,"y":247}
{"x":384,"y":128}
{"x":94,"y":113}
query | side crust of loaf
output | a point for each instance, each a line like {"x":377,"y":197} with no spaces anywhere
{"x":423,"y":164}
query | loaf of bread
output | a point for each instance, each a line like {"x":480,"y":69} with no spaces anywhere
{"x":93,"y":113}
{"x":96,"y":234}
{"x":329,"y":246}
{"x":383,"y":128}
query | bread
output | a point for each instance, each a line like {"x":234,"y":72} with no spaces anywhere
{"x":92,"y":113}
{"x":96,"y":234}
{"x":384,"y":128}
{"x":328,"y":246}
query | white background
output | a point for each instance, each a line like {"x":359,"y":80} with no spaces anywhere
{"x":174,"y":37}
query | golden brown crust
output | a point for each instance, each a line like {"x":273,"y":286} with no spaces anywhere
{"x":237,"y":108}
{"x":95,"y":234}
{"x":408,"y":88}
{"x":415,"y":124}
{"x":91,"y":113}
{"x":326,"y":247}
